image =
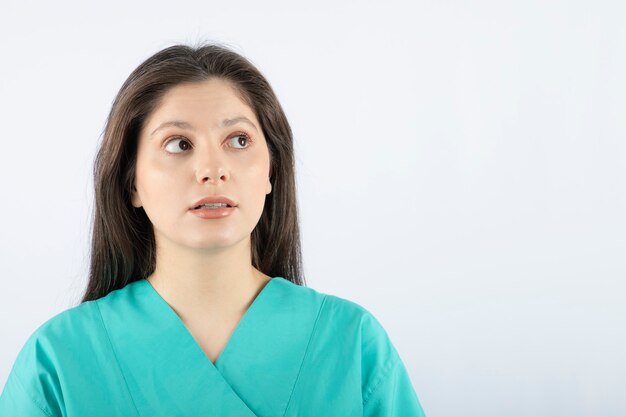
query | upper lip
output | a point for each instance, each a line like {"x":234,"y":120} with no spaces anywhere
{"x":214,"y":199}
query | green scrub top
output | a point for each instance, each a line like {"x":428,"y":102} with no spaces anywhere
{"x":295,"y":352}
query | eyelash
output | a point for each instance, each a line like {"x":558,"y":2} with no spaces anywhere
{"x":245,"y":135}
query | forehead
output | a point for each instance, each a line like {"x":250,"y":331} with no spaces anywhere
{"x":211,"y":101}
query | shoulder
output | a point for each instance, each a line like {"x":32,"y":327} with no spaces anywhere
{"x":351,"y":313}
{"x":66,"y":351}
{"x":338,"y":305}
{"x":360,"y":325}
{"x":348,"y":316}
{"x":70,"y":323}
{"x":56,"y":334}
{"x":374,"y":339}
{"x":380,"y":362}
{"x":38,"y":368}
{"x":344,"y":325}
{"x":377,"y":353}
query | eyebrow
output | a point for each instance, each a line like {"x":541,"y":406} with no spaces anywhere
{"x":188,"y":126}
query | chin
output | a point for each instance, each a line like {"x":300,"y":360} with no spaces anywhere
{"x":215,"y":241}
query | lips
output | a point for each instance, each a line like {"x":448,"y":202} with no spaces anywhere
{"x":213,"y":199}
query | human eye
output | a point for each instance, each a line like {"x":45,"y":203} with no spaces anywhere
{"x":183,"y":145}
{"x":241,"y":136}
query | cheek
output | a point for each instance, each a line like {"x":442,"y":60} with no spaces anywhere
{"x":257,"y":172}
{"x":156,"y":180}
{"x":258,"y":161}
{"x":253,"y":181}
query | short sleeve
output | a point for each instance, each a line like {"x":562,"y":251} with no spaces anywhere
{"x":393,"y":395}
{"x":32,"y":388}
{"x":15,"y":401}
{"x":387,"y":388}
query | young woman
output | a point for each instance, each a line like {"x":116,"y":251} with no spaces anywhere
{"x":196,"y":304}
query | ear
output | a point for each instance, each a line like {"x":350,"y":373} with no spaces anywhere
{"x":268,"y":188}
{"x":134,"y":198}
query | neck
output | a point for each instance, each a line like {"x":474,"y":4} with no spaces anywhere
{"x":199,"y":285}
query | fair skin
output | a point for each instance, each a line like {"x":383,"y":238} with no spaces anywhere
{"x":203,"y":266}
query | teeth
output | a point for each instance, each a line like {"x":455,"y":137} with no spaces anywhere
{"x":213,"y":205}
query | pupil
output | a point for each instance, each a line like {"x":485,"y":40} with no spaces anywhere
{"x":184,"y":148}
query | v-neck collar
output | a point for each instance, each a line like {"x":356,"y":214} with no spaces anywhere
{"x":167,"y":373}
{"x":159,"y":300}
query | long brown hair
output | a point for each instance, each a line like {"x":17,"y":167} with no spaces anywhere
{"x":123,"y":248}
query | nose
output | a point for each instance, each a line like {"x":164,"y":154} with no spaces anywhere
{"x":211,"y":175}
{"x":211,"y":169}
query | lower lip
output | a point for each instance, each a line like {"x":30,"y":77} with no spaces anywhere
{"x":213,"y":213}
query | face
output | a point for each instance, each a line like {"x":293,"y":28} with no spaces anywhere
{"x":177,"y":165}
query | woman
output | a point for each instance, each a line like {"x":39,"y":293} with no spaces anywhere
{"x":196,"y":304}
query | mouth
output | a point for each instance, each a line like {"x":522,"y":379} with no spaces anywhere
{"x":213,"y":210}
{"x":212,"y":206}
{"x":214,"y":202}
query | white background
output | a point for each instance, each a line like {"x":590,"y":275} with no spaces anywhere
{"x":461,"y":173}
